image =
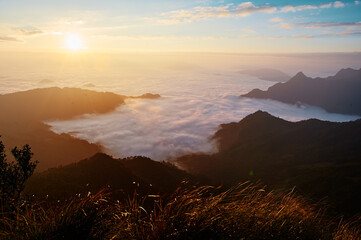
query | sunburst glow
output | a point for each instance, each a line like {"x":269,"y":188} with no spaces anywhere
{"x":74,"y":42}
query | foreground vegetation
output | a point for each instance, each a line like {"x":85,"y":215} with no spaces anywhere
{"x":245,"y":211}
{"x":242,"y":212}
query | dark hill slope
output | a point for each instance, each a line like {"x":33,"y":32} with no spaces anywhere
{"x":323,"y":159}
{"x":338,"y":94}
{"x":163,"y":175}
{"x":22,"y":117}
{"x":123,"y":176}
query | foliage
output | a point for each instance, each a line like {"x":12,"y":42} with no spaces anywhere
{"x":13,"y":175}
{"x":78,"y":218}
{"x":242,"y":212}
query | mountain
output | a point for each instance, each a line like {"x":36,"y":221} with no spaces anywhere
{"x":322,"y":159}
{"x":267,"y":74}
{"x":162,"y":175}
{"x":57,"y":103}
{"x":123,"y":176}
{"x":336,"y":94}
{"x":149,"y":96}
{"x":23,"y":115}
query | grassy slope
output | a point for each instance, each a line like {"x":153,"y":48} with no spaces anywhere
{"x":242,"y":212}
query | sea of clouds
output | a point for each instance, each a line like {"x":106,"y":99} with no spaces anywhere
{"x":197,"y":96}
{"x":193,"y":105}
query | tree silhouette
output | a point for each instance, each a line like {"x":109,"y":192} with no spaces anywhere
{"x":14,"y":174}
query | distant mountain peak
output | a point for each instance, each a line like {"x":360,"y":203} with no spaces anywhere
{"x":262,"y":117}
{"x":101,"y":155}
{"x":335,"y":94}
{"x":300,"y":75}
{"x":261,"y":113}
{"x":347,"y":73}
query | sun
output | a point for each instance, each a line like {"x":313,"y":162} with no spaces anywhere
{"x":74,"y":42}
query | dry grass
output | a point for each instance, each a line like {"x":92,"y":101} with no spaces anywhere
{"x":78,"y":218}
{"x":242,"y":212}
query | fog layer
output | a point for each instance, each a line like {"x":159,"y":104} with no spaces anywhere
{"x":199,"y":92}
{"x":192,"y":106}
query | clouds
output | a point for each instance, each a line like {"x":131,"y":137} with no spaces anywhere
{"x":352,"y":28}
{"x":30,"y":32}
{"x":327,"y":5}
{"x":338,"y":4}
{"x":280,"y":15}
{"x":184,"y":119}
{"x":17,"y":34}
{"x":339,"y":29}
{"x":297,"y":8}
{"x":242,"y":10}
{"x":334,"y":28}
{"x":247,"y":8}
{"x":303,"y":36}
{"x":9,"y":39}
{"x":290,"y":8}
{"x":222,"y":26}
{"x":342,"y":33}
{"x":327,"y":24}
{"x":203,"y":13}
{"x":320,"y":25}
{"x":276,"y":19}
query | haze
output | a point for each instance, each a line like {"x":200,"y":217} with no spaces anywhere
{"x":189,"y":52}
{"x":180,"y":119}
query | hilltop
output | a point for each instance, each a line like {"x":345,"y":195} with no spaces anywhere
{"x":320,"y":158}
{"x":100,"y":171}
{"x":336,"y":94}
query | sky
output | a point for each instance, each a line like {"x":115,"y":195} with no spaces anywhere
{"x":180,"y":26}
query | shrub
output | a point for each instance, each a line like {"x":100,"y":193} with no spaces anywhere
{"x":245,"y":211}
{"x":13,"y":175}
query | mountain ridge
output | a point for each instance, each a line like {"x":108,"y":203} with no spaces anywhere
{"x":336,"y":94}
{"x":319,"y":157}
{"x":122,"y":176}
